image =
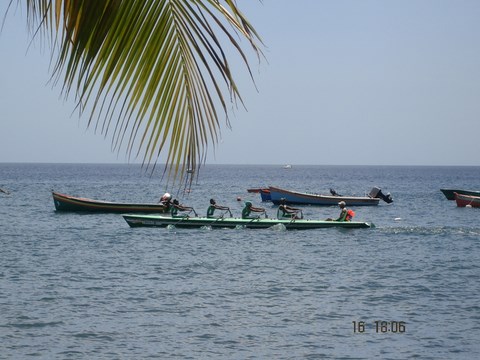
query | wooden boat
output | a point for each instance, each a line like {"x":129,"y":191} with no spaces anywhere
{"x":70,"y":203}
{"x":264,"y":193}
{"x":256,"y":190}
{"x":463,"y":200}
{"x":198,"y":222}
{"x":450,"y":193}
{"x":295,"y":197}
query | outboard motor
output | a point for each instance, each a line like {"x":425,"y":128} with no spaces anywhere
{"x":376,"y":192}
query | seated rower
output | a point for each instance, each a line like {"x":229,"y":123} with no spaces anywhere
{"x":165,"y":200}
{"x":176,"y":207}
{"x":345,"y":214}
{"x":248,"y":209}
{"x":287,"y":212}
{"x":213,"y":206}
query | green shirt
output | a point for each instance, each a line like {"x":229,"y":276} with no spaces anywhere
{"x":210,"y":211}
{"x":246,"y":212}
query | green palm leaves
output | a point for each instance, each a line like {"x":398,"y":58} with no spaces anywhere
{"x":150,"y":73}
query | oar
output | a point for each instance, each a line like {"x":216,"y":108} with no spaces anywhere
{"x":294,"y":217}
{"x":258,"y":218}
{"x":251,"y":221}
{"x":301,"y":214}
{"x":183,"y":218}
{"x":221,"y":217}
{"x":186,"y":216}
{"x":229,"y":212}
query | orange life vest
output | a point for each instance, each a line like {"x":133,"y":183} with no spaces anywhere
{"x":350,"y":215}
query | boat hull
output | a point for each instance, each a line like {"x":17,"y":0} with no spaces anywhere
{"x":450,"y":193}
{"x":264,"y":193}
{"x":198,"y":222}
{"x":69,"y":203}
{"x":463,"y":200}
{"x":299,"y":198}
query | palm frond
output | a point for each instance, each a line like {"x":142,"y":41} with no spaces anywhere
{"x":151,"y":73}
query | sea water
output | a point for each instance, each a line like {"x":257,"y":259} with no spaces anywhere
{"x":78,"y":286}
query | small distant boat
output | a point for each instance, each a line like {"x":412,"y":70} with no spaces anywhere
{"x":198,"y":222}
{"x":301,"y":198}
{"x":463,"y":200}
{"x":64,"y":202}
{"x":450,"y":193}
{"x":288,"y":166}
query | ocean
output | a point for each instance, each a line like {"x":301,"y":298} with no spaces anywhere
{"x":86,"y":286}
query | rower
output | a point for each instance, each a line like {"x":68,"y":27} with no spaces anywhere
{"x":248,"y":209}
{"x":176,"y":207}
{"x":165,"y":200}
{"x":345,"y":214}
{"x":287,"y":212}
{"x":213,"y":206}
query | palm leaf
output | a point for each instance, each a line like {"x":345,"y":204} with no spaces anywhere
{"x":152,"y":74}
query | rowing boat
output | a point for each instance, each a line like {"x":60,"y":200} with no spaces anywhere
{"x":296,"y":197}
{"x":463,"y":200}
{"x":450,"y":193}
{"x":198,"y":222}
{"x":64,"y":202}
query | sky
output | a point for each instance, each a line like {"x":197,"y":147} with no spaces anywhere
{"x":344,"y":82}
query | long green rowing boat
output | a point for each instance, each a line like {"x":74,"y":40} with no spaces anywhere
{"x":198,"y":222}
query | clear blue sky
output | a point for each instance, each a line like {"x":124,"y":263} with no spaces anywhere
{"x":347,"y":82}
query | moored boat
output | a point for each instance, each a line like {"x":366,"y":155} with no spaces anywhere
{"x":264,"y":193}
{"x":64,"y":202}
{"x":198,"y":222}
{"x":296,"y":197}
{"x":450,"y":193}
{"x":463,"y":200}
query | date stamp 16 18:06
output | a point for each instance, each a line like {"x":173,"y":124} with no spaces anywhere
{"x":379,"y":327}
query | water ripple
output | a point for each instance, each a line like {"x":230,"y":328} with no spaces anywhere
{"x":87,"y":286}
